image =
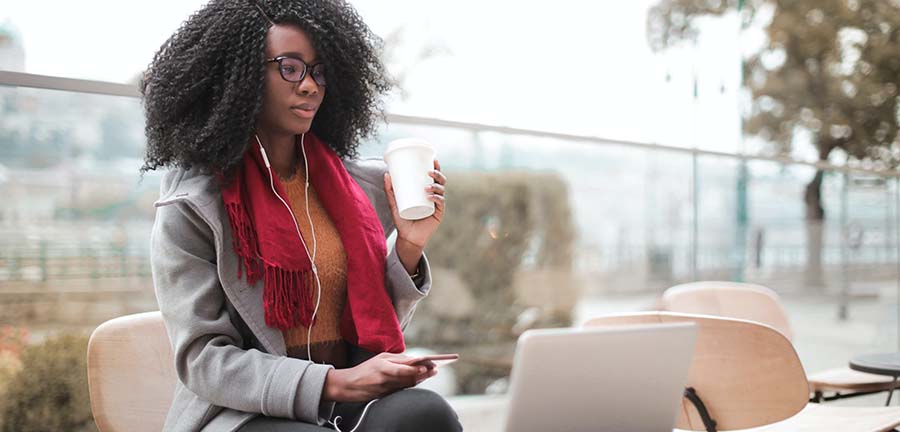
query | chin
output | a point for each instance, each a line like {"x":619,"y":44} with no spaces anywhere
{"x":302,"y":127}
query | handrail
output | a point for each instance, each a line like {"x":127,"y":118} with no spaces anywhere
{"x":22,"y":79}
{"x":46,"y":82}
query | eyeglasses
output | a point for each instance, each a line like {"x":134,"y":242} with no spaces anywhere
{"x":294,"y":70}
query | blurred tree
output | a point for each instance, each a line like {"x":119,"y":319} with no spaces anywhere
{"x":829,"y":70}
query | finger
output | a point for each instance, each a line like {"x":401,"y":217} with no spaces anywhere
{"x":437,"y":164}
{"x":398,"y":370}
{"x":430,"y":374}
{"x":389,"y":192}
{"x":438,"y":177}
{"x":436,"y":188}
{"x":429,"y":365}
{"x":400,"y":358}
{"x":440,"y":206}
{"x":401,"y":382}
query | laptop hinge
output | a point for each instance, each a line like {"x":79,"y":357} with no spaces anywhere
{"x":692,"y":396}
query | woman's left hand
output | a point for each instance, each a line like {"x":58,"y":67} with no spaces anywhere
{"x":417,"y":232}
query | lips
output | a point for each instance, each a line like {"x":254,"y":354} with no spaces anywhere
{"x":306,"y":111}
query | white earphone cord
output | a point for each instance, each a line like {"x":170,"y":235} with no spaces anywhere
{"x":312,"y":260}
{"x":362,"y":416}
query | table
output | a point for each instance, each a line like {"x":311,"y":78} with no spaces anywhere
{"x":879,"y":364}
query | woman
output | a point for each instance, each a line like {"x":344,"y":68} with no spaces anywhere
{"x":270,"y":263}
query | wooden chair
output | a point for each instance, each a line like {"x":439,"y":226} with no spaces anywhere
{"x":761,"y":304}
{"x":131,"y":375}
{"x":748,"y":375}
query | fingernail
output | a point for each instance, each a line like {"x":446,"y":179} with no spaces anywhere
{"x":422,"y":370}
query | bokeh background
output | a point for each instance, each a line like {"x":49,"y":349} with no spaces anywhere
{"x":599,"y":152}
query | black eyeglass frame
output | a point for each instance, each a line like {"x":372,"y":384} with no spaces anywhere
{"x":306,"y":69}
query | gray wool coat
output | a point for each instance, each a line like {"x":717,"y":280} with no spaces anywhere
{"x":231,"y":366}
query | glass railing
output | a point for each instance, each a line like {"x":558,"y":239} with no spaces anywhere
{"x":647,"y":218}
{"x":543,"y":229}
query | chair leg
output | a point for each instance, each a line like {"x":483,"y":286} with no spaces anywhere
{"x":891,"y":392}
{"x":817,"y":397}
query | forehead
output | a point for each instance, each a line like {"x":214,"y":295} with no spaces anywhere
{"x":288,"y":38}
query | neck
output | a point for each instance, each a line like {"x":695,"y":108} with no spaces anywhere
{"x":281,"y":151}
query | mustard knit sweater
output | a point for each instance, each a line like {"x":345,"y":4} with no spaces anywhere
{"x":326,"y":342}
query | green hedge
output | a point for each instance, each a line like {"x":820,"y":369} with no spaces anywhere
{"x":50,"y":391}
{"x":499,"y":225}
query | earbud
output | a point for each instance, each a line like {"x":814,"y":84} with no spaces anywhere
{"x":263,"y":151}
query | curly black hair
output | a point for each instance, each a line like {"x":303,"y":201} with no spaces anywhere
{"x":204,"y":88}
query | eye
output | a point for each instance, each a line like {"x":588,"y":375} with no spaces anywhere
{"x":318,"y":73}
{"x":287,"y":69}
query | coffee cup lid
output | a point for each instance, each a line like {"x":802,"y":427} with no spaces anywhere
{"x":408,"y":142}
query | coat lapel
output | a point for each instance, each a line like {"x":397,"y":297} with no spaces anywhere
{"x":246,"y":299}
{"x":198,"y":192}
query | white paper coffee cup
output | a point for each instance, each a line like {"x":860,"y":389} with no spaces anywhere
{"x":409,"y":160}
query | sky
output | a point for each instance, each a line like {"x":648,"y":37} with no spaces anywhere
{"x":579,"y":67}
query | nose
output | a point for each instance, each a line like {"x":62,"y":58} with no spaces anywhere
{"x":307,"y":86}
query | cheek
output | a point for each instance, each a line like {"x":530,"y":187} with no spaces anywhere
{"x":276,"y":94}
{"x":275,"y":101}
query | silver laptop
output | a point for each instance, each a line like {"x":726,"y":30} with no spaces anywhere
{"x":617,"y":379}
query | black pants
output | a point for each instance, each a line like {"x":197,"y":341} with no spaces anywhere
{"x":410,"y":410}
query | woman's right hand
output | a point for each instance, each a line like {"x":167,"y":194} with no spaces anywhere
{"x":383,"y":374}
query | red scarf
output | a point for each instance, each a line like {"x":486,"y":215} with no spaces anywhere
{"x":265,"y":238}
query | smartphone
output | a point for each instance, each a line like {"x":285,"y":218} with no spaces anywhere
{"x":435,"y":359}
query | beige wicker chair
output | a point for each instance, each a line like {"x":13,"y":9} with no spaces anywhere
{"x":761,"y":304}
{"x":131,"y":374}
{"x":749,"y":376}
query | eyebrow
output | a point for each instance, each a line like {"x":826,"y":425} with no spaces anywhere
{"x":296,"y":54}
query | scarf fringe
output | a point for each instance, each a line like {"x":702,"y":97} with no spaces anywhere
{"x":245,"y":244}
{"x":287,"y":294}
{"x":288,"y":297}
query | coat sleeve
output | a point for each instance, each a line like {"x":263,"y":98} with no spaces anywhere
{"x":209,"y":358}
{"x":405,"y":292}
